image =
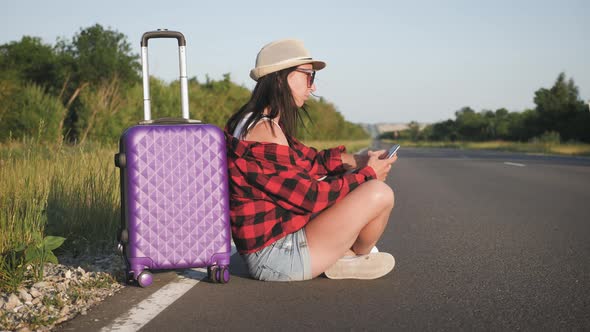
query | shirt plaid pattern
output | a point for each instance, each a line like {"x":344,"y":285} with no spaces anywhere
{"x":275,"y":191}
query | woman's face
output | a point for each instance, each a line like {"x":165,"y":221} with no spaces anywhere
{"x":301,"y":83}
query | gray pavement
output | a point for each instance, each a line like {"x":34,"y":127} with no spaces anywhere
{"x":482,"y":240}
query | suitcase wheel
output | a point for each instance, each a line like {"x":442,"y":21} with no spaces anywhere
{"x":218,"y":274}
{"x":212,"y":273}
{"x":145,"y":279}
{"x":223,"y":275}
{"x":209,"y":273}
{"x":129,"y":278}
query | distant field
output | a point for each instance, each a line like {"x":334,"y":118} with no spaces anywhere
{"x":352,"y":146}
{"x":570,"y":149}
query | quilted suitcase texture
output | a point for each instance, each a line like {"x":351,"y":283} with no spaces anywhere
{"x":174,"y":191}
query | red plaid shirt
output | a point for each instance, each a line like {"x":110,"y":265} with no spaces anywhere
{"x":275,"y":191}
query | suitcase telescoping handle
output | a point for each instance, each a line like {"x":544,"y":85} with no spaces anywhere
{"x":160,"y":33}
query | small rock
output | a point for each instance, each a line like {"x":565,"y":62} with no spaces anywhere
{"x":34,"y":292}
{"x":24,"y":295}
{"x":49,"y":298}
{"x":24,"y":329}
{"x":64,"y":311}
{"x":40,"y":284}
{"x":61,"y":287}
{"x":13,"y":302}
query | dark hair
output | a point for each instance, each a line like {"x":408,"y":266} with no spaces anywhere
{"x":271,"y":91}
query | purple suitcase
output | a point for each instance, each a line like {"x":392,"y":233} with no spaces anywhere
{"x":174,"y":189}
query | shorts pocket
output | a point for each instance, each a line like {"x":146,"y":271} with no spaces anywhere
{"x":266,"y":273}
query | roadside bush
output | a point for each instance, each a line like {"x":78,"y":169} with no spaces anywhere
{"x":548,"y":137}
{"x":28,"y":111}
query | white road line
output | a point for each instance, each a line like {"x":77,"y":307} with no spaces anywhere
{"x":146,"y":310}
{"x":514,"y":164}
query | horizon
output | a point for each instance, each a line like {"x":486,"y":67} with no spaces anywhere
{"x":418,"y":62}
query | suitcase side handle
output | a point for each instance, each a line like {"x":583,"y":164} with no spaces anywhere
{"x":163,"y":33}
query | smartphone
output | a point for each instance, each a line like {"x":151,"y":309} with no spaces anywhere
{"x":392,"y":151}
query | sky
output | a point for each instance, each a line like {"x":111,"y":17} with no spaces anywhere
{"x":387,"y":61}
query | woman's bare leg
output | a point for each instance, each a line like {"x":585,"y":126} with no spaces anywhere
{"x":371,"y":233}
{"x":356,"y":222}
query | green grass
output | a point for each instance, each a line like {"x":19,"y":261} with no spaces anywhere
{"x":58,"y":190}
{"x":570,"y":149}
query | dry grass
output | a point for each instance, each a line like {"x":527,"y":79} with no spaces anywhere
{"x":571,"y":149}
{"x":352,"y":146}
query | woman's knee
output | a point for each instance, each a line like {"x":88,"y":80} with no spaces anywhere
{"x":379,"y":193}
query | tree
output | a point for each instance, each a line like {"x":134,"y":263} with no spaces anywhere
{"x":326,"y":123}
{"x":89,"y":89}
{"x":101,"y":54}
{"x":29,"y":60}
{"x":470,"y":125}
{"x":502,"y":124}
{"x":560,"y":108}
{"x":96,"y":56}
{"x":444,"y":131}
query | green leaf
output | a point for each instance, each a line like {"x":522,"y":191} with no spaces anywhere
{"x":53,"y":242}
{"x":50,"y":257}
{"x":32,"y":254}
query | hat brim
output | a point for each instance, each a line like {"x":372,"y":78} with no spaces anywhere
{"x":259,"y":72}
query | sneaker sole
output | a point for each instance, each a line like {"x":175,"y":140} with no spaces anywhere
{"x":371,"y":266}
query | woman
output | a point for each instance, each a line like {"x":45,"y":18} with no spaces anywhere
{"x":297,"y":212}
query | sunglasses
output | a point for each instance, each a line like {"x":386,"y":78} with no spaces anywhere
{"x":310,"y":75}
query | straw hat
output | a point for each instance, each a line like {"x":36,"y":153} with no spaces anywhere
{"x":282,"y":54}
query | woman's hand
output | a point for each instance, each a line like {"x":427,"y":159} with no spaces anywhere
{"x":380,"y":166}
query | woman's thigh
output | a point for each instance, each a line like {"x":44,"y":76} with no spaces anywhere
{"x":333,"y":232}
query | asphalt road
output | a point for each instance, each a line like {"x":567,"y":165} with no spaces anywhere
{"x":482,"y":240}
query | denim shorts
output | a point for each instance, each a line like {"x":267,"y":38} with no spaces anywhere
{"x":286,"y":259}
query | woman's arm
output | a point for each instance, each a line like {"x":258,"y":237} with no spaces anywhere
{"x":353,"y":161}
{"x":294,"y":190}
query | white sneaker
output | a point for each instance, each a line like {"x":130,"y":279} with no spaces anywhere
{"x":371,"y":266}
